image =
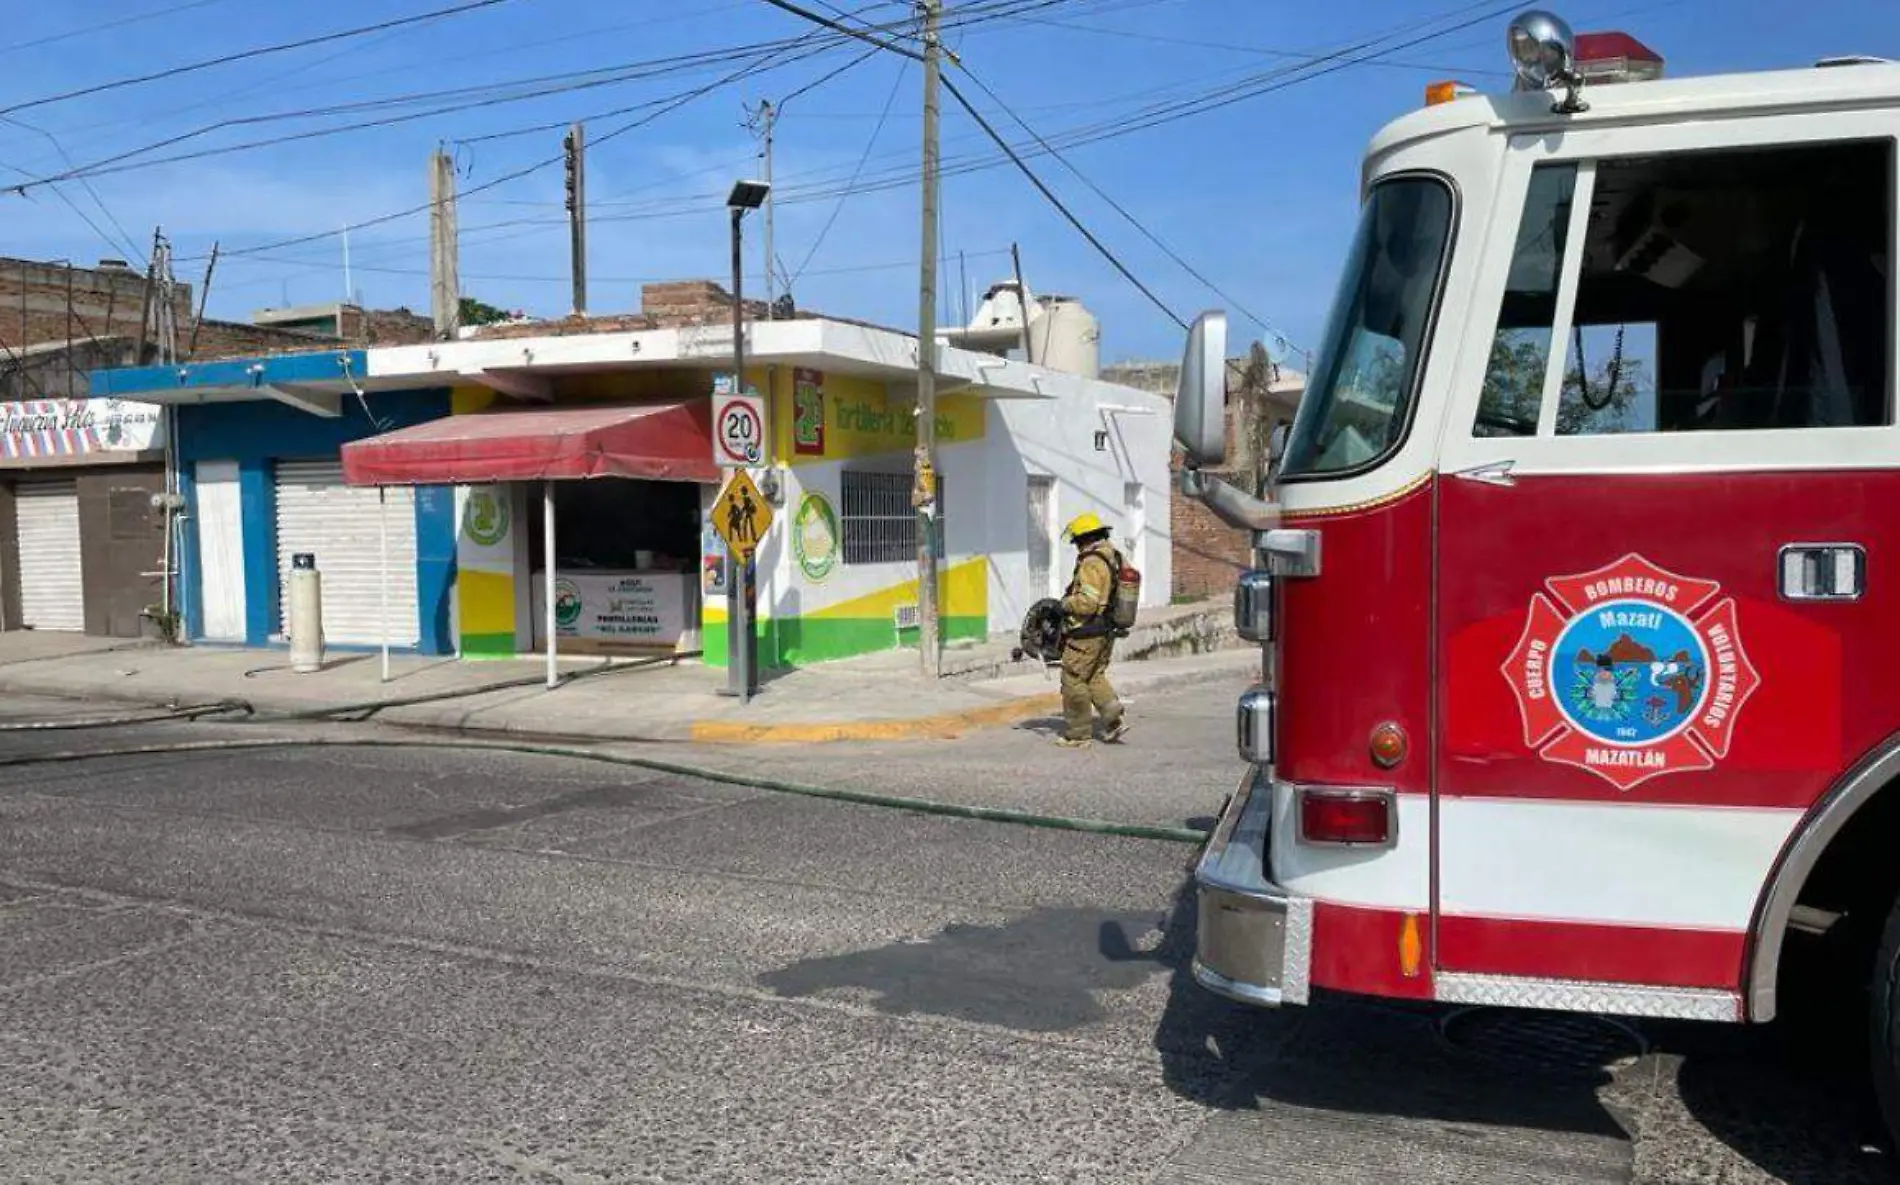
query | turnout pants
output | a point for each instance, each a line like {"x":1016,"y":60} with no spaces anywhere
{"x":1085,"y":686}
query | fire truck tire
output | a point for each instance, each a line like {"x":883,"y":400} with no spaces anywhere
{"x":1886,"y":1023}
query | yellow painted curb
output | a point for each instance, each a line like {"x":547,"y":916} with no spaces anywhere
{"x":942,"y":726}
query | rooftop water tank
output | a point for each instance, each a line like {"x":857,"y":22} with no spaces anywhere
{"x":1066,"y":337}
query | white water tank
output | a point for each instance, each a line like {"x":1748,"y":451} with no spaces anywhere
{"x":1066,"y":337}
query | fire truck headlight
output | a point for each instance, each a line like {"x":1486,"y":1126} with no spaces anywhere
{"x":1253,"y":606}
{"x":1542,"y":49}
{"x":1254,"y":725}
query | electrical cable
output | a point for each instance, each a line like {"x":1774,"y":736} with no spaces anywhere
{"x":1100,"y":247}
{"x":1170,"y":252}
{"x":98,"y":27}
{"x":248,"y":54}
{"x":890,"y":100}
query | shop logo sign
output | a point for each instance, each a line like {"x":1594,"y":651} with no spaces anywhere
{"x":485,"y":517}
{"x":1631,"y":672}
{"x":815,"y":537}
{"x":808,"y":413}
{"x":567,"y":603}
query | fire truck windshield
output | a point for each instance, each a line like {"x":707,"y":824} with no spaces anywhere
{"x":1358,"y":401}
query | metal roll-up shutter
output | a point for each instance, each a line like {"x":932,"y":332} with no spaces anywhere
{"x":317,"y":513}
{"x":52,"y":585}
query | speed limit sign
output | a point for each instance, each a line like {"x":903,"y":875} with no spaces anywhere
{"x":738,"y":430}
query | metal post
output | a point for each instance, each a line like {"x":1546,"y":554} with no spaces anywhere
{"x":742,"y":677}
{"x":929,"y":637}
{"x":382,"y":531}
{"x":547,"y":561}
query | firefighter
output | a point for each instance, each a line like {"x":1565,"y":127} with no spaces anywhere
{"x":1088,"y":637}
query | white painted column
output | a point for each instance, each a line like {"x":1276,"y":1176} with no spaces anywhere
{"x":547,"y":561}
{"x":382,"y":530}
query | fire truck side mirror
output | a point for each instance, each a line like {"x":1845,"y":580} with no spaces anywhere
{"x":1200,"y":402}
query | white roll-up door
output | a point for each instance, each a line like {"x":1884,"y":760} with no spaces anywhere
{"x":317,"y":513}
{"x":52,"y":587}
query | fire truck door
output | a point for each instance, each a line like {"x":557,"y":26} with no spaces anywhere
{"x":1658,"y":545}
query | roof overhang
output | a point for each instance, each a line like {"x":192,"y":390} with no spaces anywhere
{"x":315,"y":382}
{"x":524,"y":367}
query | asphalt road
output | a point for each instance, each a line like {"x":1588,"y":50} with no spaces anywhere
{"x":322,"y":964}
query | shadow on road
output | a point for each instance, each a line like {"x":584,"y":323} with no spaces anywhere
{"x":1039,"y":972}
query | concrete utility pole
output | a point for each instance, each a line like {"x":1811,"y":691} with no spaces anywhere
{"x":204,"y":297}
{"x":576,"y":145}
{"x":929,"y":640}
{"x":445,"y":283}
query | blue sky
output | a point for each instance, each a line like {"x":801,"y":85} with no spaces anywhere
{"x":1259,"y":196}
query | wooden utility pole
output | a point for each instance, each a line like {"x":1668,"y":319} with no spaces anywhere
{"x":575,"y":144}
{"x":930,"y":640}
{"x":445,"y":284}
{"x":204,"y":297}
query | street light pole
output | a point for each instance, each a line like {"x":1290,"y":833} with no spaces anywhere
{"x":742,"y":644}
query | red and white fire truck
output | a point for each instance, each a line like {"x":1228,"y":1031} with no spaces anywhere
{"x":1579,"y":570}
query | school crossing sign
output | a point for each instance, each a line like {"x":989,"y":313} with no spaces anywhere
{"x":1631,"y":672}
{"x":742,"y":515}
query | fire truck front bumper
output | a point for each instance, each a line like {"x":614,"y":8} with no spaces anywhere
{"x":1255,"y":940}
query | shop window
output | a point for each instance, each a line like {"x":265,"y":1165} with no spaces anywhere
{"x":1733,"y":290}
{"x":878,"y":521}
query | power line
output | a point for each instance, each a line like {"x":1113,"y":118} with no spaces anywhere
{"x":246,"y":55}
{"x":1100,"y":247}
{"x":101,"y":26}
{"x":1079,"y":175}
{"x":889,"y":101}
{"x":515,"y":175}
{"x":125,"y":243}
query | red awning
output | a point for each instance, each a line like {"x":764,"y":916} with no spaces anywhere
{"x":659,"y":440}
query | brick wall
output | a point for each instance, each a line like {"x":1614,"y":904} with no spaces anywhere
{"x":675,"y":304}
{"x":33,"y":302}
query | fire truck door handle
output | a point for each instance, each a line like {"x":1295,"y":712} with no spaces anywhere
{"x":1823,"y":572}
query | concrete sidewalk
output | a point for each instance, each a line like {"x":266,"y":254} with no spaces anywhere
{"x":879,"y":697}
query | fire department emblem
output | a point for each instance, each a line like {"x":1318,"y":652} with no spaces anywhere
{"x":1631,"y":672}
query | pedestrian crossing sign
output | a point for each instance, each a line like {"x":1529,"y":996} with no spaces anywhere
{"x":741,"y":515}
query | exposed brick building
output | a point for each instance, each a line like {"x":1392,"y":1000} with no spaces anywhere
{"x":1209,"y":554}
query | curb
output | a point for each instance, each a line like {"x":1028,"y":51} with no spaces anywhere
{"x":943,"y":726}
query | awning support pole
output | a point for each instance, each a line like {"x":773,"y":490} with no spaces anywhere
{"x":547,"y":562}
{"x":382,"y":530}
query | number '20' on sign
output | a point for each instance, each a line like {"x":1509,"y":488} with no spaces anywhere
{"x":739,"y":430}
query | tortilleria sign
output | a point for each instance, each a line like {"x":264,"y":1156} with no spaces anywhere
{"x":1631,"y":672}
{"x":78,"y":427}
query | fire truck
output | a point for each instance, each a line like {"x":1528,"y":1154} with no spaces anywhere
{"x":1575,"y":569}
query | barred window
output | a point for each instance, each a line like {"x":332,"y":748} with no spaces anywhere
{"x":878,"y":521}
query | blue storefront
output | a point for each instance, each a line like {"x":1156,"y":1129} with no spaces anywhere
{"x":257,"y":447}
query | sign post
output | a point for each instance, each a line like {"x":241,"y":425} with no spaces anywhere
{"x":741,"y":516}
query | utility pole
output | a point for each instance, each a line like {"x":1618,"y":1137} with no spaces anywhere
{"x":445,"y":284}
{"x":767,"y":119}
{"x":204,"y":297}
{"x":575,"y":145}
{"x":929,"y":639}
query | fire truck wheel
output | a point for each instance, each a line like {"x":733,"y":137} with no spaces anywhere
{"x":1886,"y":1023}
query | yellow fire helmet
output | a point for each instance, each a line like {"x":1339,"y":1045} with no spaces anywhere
{"x":1083,"y":524}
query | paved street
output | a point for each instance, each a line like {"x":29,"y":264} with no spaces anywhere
{"x":319,"y":964}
